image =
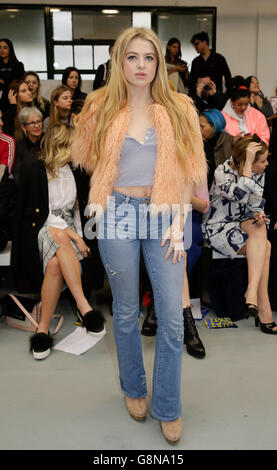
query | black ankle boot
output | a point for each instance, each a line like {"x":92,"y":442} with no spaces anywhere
{"x":192,"y":341}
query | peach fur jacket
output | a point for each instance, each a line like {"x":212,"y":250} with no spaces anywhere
{"x":169,"y":176}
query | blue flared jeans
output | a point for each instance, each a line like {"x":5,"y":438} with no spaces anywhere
{"x":124,"y":232}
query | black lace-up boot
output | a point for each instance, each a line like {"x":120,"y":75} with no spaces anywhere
{"x":192,"y":341}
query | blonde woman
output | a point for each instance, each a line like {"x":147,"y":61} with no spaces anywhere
{"x":33,"y":81}
{"x":60,"y":106}
{"x":48,"y":243}
{"x":236,"y":222}
{"x":142,"y":145}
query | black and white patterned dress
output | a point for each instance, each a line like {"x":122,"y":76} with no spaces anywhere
{"x":233,"y":199}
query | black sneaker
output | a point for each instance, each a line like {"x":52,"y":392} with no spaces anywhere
{"x":41,"y":345}
{"x":93,"y":321}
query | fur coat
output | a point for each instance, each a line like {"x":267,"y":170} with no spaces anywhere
{"x":169,"y":176}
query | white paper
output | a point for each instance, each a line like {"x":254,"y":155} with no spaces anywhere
{"x":78,"y":342}
{"x":196,"y":309}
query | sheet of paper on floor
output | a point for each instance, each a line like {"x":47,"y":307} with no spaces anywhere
{"x":78,"y":342}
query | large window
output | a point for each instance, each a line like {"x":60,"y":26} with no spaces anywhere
{"x":82,"y":38}
{"x":48,"y":39}
{"x":25,"y":28}
{"x":171,"y":24}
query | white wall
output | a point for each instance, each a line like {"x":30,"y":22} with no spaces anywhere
{"x":246,"y":32}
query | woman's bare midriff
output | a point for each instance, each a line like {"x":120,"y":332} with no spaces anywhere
{"x":134,"y":191}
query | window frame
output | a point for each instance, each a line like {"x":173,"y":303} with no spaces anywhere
{"x":50,"y":42}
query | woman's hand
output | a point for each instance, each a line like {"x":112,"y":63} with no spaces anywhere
{"x":260,"y":218}
{"x":12,"y":97}
{"x":181,"y":68}
{"x":251,"y":151}
{"x":79,"y":242}
{"x":275,"y":226}
{"x":175,"y":234}
{"x":177,"y":68}
{"x":82,"y":247}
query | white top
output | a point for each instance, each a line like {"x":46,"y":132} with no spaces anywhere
{"x":63,"y":195}
{"x":175,"y":78}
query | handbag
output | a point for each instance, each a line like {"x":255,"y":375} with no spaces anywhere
{"x":17,"y":316}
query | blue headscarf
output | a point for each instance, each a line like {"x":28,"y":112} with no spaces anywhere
{"x":215,"y":118}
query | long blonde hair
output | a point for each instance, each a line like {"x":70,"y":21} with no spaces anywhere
{"x":114,"y":96}
{"x":54,"y":116}
{"x":55,"y":148}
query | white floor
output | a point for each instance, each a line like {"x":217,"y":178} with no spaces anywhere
{"x":69,"y":402}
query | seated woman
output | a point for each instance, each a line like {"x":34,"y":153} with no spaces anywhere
{"x":19,"y":97}
{"x":33,"y":81}
{"x":48,"y":244}
{"x":241,"y":118}
{"x":7,"y":149}
{"x":177,"y":69}
{"x":218,"y":144}
{"x":27,"y":150}
{"x":10,"y":69}
{"x":60,"y":107}
{"x":73,"y":80}
{"x":257,"y":98}
{"x":236,"y":222}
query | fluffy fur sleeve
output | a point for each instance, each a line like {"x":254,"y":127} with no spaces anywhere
{"x":83,"y":134}
{"x":198,"y":167}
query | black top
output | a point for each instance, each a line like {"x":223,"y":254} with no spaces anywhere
{"x":9,"y":114}
{"x":46,"y":111}
{"x":101,"y":75}
{"x":216,"y":101}
{"x":214,"y":67}
{"x":26,"y":153}
{"x":8,"y":73}
{"x":79,"y":95}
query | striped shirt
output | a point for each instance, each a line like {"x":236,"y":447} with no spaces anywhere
{"x":7,"y":150}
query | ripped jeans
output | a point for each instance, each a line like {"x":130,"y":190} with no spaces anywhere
{"x":121,"y":259}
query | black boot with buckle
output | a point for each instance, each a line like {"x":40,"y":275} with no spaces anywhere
{"x":192,"y":341}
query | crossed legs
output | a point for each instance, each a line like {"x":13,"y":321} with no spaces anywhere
{"x":257,"y":250}
{"x":64,"y":265}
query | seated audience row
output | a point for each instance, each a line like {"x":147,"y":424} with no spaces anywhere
{"x":236,"y":222}
{"x":226,"y":122}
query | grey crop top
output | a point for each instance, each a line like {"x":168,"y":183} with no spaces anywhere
{"x":137,"y":161}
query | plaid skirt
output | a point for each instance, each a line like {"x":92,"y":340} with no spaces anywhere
{"x":47,"y":246}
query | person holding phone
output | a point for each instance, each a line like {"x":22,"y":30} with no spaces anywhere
{"x":207,"y":96}
{"x":177,"y":69}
